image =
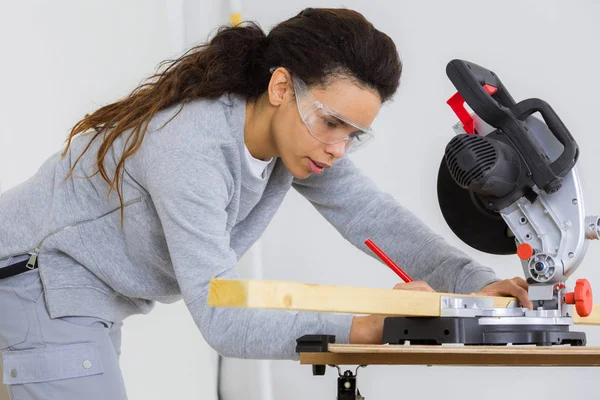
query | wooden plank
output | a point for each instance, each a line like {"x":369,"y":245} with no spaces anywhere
{"x":343,"y":299}
{"x":329,"y":298}
{"x":348,"y":354}
{"x":592,"y":319}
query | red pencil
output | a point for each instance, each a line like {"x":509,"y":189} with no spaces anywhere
{"x":388,"y":261}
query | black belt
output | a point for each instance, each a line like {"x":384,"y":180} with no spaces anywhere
{"x":16,"y":269}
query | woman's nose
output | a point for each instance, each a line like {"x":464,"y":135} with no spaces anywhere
{"x":337,"y":150}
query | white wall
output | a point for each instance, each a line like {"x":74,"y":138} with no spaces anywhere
{"x":62,"y":59}
{"x":546,"y":49}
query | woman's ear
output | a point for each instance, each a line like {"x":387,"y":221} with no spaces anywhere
{"x":280,"y":86}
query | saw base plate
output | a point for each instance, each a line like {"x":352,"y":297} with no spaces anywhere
{"x":468,"y":331}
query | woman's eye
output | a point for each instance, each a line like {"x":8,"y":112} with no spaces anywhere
{"x":355,"y":136}
{"x":330,"y":124}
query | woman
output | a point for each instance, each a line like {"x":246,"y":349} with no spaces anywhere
{"x":161,"y":191}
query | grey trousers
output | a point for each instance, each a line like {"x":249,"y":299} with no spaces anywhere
{"x":65,"y":358}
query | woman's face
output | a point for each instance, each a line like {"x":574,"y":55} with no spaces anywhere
{"x":301,"y":152}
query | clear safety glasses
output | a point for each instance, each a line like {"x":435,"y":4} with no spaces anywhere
{"x":326,"y":125}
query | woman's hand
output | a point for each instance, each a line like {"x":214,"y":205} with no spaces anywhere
{"x":419,"y":286}
{"x":516,"y":287}
{"x":369,"y":329}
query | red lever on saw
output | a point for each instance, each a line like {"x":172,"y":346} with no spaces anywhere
{"x":457,"y":103}
{"x":581,"y":297}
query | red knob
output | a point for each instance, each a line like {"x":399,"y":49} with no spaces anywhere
{"x":524,"y":251}
{"x":581,"y":297}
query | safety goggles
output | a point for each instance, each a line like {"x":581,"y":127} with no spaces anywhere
{"x":326,"y":125}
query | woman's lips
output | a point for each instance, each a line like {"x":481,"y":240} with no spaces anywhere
{"x":321,"y":165}
{"x":315,"y":169}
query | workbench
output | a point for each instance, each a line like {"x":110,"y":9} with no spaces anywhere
{"x":321,"y":351}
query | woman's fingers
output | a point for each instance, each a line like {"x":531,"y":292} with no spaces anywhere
{"x":420,"y":286}
{"x":516,"y":287}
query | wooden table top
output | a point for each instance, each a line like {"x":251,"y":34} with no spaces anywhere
{"x":352,"y":354}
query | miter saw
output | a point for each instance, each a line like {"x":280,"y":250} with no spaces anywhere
{"x":508,"y":183}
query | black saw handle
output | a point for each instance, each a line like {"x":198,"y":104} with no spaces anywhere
{"x":500,"y":111}
{"x":469,"y":78}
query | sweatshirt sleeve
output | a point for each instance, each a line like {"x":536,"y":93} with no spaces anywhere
{"x":358,"y":210}
{"x":191,"y":193}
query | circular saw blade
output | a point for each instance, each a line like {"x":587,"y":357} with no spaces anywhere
{"x":469,"y":219}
